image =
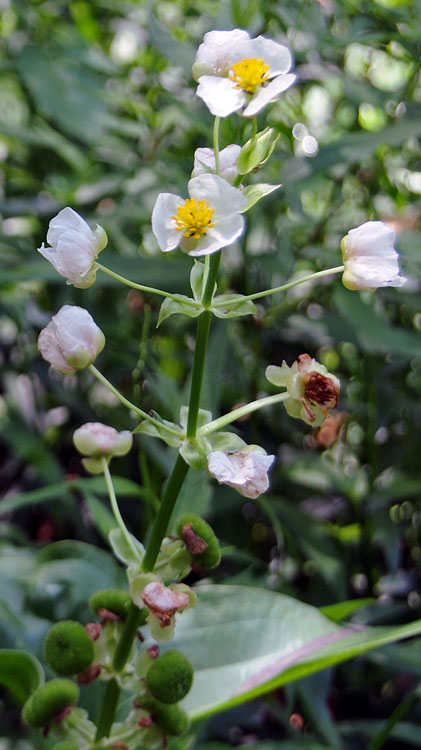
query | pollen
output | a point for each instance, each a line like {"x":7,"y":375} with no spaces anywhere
{"x":248,"y":74}
{"x":194,"y":218}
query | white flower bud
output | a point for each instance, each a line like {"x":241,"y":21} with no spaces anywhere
{"x":370,"y":258}
{"x":97,"y":439}
{"x":72,"y":340}
{"x":246,"y":471}
{"x":74,"y":247}
{"x":204,"y":162}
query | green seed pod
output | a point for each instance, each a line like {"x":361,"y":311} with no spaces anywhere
{"x":68,"y":647}
{"x":171,"y":719}
{"x":170,"y":677}
{"x":49,"y":700}
{"x":200,"y":540}
{"x":115,"y":600}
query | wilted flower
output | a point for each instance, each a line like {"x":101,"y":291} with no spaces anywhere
{"x":72,"y":340}
{"x":74,"y":247}
{"x":164,"y":602}
{"x":97,"y":440}
{"x":312,"y":389}
{"x":205,"y":222}
{"x":370,"y":258}
{"x":246,"y":471}
{"x":204,"y":162}
{"x":236,"y":72}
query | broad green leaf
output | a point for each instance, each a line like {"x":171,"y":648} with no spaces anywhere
{"x":174,"y":307}
{"x":338,"y":612}
{"x":231,"y":308}
{"x":20,"y":672}
{"x":244,"y":642}
{"x":255,"y":193}
{"x":122,"y":549}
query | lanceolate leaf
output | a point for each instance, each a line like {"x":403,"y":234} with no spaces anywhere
{"x":244,"y":642}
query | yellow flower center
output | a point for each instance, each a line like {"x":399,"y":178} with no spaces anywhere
{"x":249,"y":73}
{"x":194,"y":218}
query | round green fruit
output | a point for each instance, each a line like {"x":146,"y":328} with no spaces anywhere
{"x":115,"y":600}
{"x":49,"y":700}
{"x":170,"y":677}
{"x":68,"y":647}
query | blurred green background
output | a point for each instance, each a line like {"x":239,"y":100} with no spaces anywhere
{"x":98,"y":111}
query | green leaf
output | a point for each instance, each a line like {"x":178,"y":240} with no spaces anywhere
{"x":244,"y":642}
{"x":20,"y":672}
{"x":232,"y":308}
{"x":122,"y":549}
{"x":338,"y":612}
{"x":254,"y":193}
{"x":257,"y":150}
{"x":174,"y":307}
{"x":226,"y":441}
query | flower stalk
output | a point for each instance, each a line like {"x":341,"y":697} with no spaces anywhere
{"x":242,"y":411}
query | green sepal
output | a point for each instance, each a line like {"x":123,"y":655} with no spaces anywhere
{"x":146,"y":428}
{"x":195,"y":452}
{"x":226,"y":441}
{"x":233,"y":306}
{"x":174,"y":307}
{"x":123,"y":551}
{"x":254,"y":193}
{"x":257,"y":150}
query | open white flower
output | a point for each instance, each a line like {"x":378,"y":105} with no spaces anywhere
{"x":204,"y":162}
{"x":74,"y":247}
{"x":238,"y":73}
{"x":246,"y":471}
{"x":72,"y":340}
{"x":312,"y":389}
{"x":370,"y":258}
{"x":208,"y":220}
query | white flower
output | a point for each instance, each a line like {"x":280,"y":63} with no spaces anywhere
{"x":312,"y":389}
{"x":236,"y":72}
{"x":369,"y":257}
{"x":204,"y":162}
{"x":205,"y":222}
{"x":97,"y":439}
{"x":72,"y":340}
{"x":246,"y":471}
{"x":164,"y":602}
{"x":74,"y":247}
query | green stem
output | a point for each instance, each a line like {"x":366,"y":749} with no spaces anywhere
{"x":112,"y":693}
{"x":114,"y":506}
{"x":216,"y":145}
{"x":400,"y":711}
{"x":202,"y":337}
{"x":143,"y":288}
{"x":135,"y":617}
{"x":162,"y":426}
{"x":169,"y":498}
{"x":242,"y":411}
{"x":284,"y":287}
{"x":254,"y":127}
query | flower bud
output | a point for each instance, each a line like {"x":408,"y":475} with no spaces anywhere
{"x":200,"y":540}
{"x":72,"y":340}
{"x":171,"y":718}
{"x":49,"y":700}
{"x":68,"y":648}
{"x":114,"y":600}
{"x":370,"y":258}
{"x":97,"y":439}
{"x":74,"y":247}
{"x":170,"y":677}
{"x":204,"y":162}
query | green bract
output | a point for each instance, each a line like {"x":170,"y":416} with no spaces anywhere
{"x":170,"y":677}
{"x":194,"y":530}
{"x":171,"y":719}
{"x":68,"y":647}
{"x":49,"y":700}
{"x":115,"y":600}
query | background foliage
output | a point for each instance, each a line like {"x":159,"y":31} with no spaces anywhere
{"x":98,"y":111}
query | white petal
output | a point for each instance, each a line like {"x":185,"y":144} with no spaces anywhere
{"x":50,"y":350}
{"x":214,"y":56}
{"x":277,"y":56}
{"x":269,"y":93}
{"x":222,"y":196}
{"x":78,"y":335}
{"x":373,"y":237}
{"x":163,"y":225}
{"x":220,"y":95}
{"x":204,"y":161}
{"x":224,"y":233}
{"x":68,"y":219}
